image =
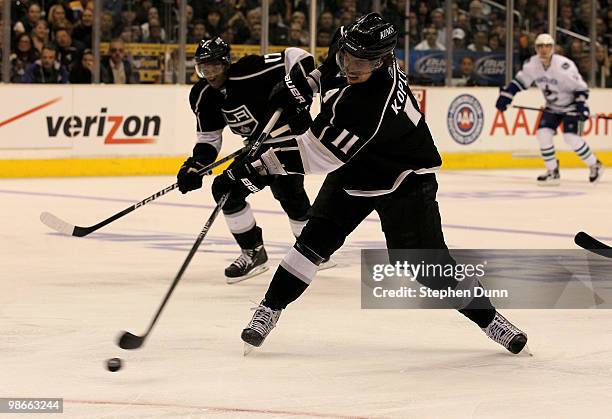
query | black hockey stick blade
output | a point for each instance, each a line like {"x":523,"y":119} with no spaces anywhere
{"x":588,"y":242}
{"x":130,"y":341}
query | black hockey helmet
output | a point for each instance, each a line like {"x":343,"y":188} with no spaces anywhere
{"x":369,"y":37}
{"x":213,"y":50}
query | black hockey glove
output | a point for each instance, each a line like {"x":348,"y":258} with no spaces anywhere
{"x":241,"y":181}
{"x":504,"y":99}
{"x":580,"y":98}
{"x":293,"y":91}
{"x":188,"y":178}
{"x":583,"y":110}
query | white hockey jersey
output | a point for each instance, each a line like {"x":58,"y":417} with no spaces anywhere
{"x":558,"y":82}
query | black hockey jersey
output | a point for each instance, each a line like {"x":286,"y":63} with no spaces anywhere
{"x":242,"y":103}
{"x":371,"y":135}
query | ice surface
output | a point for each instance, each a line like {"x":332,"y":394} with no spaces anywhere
{"x":63,"y":301}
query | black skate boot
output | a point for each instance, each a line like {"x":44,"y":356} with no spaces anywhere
{"x":550,"y":178}
{"x":506,"y":334}
{"x":262,"y":323}
{"x":250,"y":263}
{"x":595,"y":172}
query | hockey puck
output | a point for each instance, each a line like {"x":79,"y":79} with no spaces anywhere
{"x":113,"y":364}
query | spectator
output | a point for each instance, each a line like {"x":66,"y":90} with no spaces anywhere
{"x":458,"y":39}
{"x":466,"y":76}
{"x":423,"y":14}
{"x":25,"y":55}
{"x":46,"y":69}
{"x":300,"y":18}
{"x":463,"y":23}
{"x":584,"y":66}
{"x":324,"y":38}
{"x":437,"y":21}
{"x":28,"y":22}
{"x":602,"y":75}
{"x":128,"y":16}
{"x":346,"y":18}
{"x":430,"y":42}
{"x":57,"y":17}
{"x":136,"y":33}
{"x":255,"y":37}
{"x":524,"y":50}
{"x":156,"y":34}
{"x":480,"y":43}
{"x":107,"y":27}
{"x":326,"y":22}
{"x":295,"y":36}
{"x":198,"y":33}
{"x":495,"y":42}
{"x":213,"y":24}
{"x":228,"y":35}
{"x":576,"y":48}
{"x":278,"y":33}
{"x":40,"y":35}
{"x":116,"y":69}
{"x":83,"y":30}
{"x":113,"y":6}
{"x":82,"y":70}
{"x":413,"y":30}
{"x":478,"y":21}
{"x":67,"y":52}
{"x":153,"y":18}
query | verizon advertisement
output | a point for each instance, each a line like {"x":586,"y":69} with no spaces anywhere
{"x":95,"y":121}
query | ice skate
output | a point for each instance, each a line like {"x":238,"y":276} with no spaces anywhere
{"x":250,"y":263}
{"x":595,"y":172}
{"x":506,"y":334}
{"x":551,"y":177}
{"x":263,"y":321}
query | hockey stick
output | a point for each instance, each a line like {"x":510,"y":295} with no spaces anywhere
{"x":529,"y":108}
{"x":128,"y":340}
{"x":68,"y":229}
{"x":588,"y":242}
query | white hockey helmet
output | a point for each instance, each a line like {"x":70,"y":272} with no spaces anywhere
{"x":544,"y":39}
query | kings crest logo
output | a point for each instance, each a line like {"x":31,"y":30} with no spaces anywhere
{"x":240,"y":120}
{"x":465,"y":119}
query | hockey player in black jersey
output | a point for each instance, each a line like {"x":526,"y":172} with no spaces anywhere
{"x":373,"y":142}
{"x":236,"y":95}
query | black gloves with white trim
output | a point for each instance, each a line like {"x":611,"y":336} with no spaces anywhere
{"x":188,"y":178}
{"x":241,"y":179}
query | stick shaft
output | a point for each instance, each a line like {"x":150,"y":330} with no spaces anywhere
{"x":83,"y":231}
{"x":529,"y":108}
{"x":253,"y":148}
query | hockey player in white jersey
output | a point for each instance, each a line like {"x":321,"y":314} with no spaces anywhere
{"x":566,"y":93}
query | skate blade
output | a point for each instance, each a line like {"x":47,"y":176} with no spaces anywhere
{"x":259,"y":270}
{"x":549,"y":183}
{"x":248,"y":348}
{"x":327,"y":265}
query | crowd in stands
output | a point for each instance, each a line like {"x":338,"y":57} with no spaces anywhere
{"x":52,"y":39}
